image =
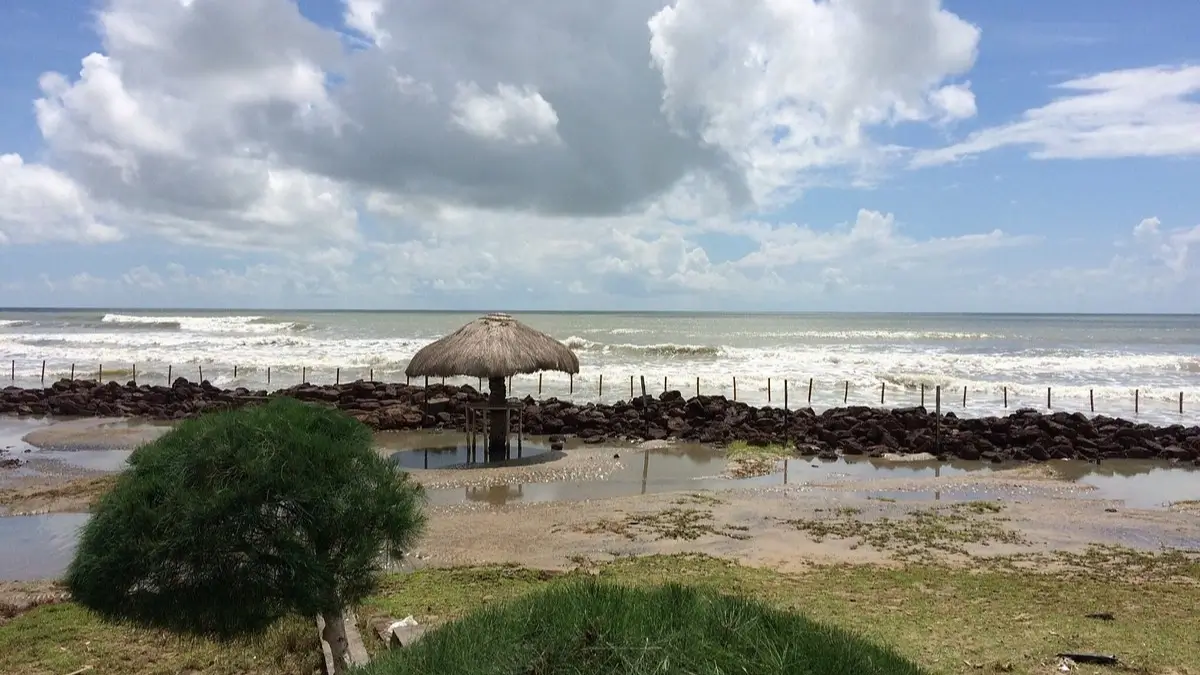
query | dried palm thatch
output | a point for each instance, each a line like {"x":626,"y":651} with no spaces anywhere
{"x":492,"y":346}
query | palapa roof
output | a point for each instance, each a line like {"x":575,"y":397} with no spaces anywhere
{"x":495,"y":345}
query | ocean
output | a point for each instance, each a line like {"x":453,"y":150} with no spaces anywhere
{"x":1103,"y":362}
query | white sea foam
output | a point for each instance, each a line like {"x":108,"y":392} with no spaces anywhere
{"x":896,"y":363}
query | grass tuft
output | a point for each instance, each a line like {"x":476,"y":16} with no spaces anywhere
{"x":588,"y":626}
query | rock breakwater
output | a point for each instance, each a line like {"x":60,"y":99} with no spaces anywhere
{"x":1027,"y":435}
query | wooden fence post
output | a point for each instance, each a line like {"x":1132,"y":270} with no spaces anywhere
{"x":664,"y":384}
{"x":1181,"y":403}
{"x":1092,"y":400}
{"x":964,"y":395}
{"x":601,"y":395}
{"x":371,"y":374}
{"x":846,"y":393}
{"x":1006,"y":397}
{"x":735,"y":388}
{"x":72,"y":372}
{"x":882,"y":391}
{"x":697,"y":386}
{"x":200,"y":369}
{"x":572,"y":389}
{"x":539,"y":384}
{"x":235,"y":370}
{"x":768,"y":390}
{"x":810,"y":380}
{"x":303,"y":374}
{"x":44,"y":373}
{"x":12,"y":373}
{"x":630,"y":387}
{"x":268,"y":375}
{"x":937,"y":418}
{"x":1136,"y":400}
{"x":337,"y":375}
{"x":135,"y":373}
{"x":922,"y":394}
{"x":100,"y":374}
{"x":1048,"y":406}
{"x":169,"y":375}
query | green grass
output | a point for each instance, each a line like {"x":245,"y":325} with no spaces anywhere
{"x":591,"y":626}
{"x":995,"y":616}
{"x":755,"y":460}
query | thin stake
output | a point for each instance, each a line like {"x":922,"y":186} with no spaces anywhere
{"x":768,"y":390}
{"x":12,"y":373}
{"x":630,"y":387}
{"x":1048,"y":406}
{"x":1181,"y":403}
{"x":169,"y":375}
{"x":937,"y":418}
{"x":1091,"y":400}
{"x":964,"y":395}
{"x":735,"y":388}
{"x":810,"y":391}
{"x":697,"y":386}
{"x":664,"y":384}
{"x":785,"y":395}
{"x":100,"y":374}
{"x":571,"y":391}
{"x":235,"y":371}
{"x":1006,"y":396}
{"x":922,"y":394}
{"x":509,"y":383}
{"x":303,"y":374}
{"x":337,"y":375}
{"x":201,"y":369}
{"x":601,"y":395}
{"x":43,"y":371}
{"x":443,"y":381}
{"x":370,"y":374}
{"x":1136,"y":401}
{"x":135,"y":373}
{"x":539,"y":384}
{"x":846,"y":393}
{"x":268,"y":374}
{"x":72,"y":372}
{"x":882,"y":390}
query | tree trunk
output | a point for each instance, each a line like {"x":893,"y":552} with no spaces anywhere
{"x":498,"y":424}
{"x":334,"y":634}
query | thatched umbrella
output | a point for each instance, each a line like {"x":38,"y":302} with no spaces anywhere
{"x":494,"y":347}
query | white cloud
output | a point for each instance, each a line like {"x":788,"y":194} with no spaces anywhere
{"x":955,"y":101}
{"x":519,"y":116}
{"x":1142,"y":112}
{"x":39,"y":204}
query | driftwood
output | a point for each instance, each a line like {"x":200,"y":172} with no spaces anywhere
{"x":1098,"y":659}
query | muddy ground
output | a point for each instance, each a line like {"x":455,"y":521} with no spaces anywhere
{"x":1026,"y":511}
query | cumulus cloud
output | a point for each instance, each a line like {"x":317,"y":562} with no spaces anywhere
{"x":1141,"y":112}
{"x":39,"y":204}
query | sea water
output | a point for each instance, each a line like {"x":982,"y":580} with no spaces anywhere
{"x":1086,"y":361}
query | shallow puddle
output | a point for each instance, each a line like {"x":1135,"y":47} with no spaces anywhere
{"x":38,"y":547}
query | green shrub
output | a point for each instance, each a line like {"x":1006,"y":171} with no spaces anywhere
{"x":586,"y":627}
{"x":233,"y":520}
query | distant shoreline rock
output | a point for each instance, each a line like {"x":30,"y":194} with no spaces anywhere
{"x":1025,"y":435}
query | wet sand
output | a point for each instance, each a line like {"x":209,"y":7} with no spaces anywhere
{"x":477,"y":515}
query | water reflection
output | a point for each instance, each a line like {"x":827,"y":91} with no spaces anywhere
{"x":38,"y":547}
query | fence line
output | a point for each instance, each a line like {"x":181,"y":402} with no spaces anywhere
{"x":843,"y":386}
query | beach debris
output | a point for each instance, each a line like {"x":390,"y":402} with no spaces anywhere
{"x":1072,"y":658}
{"x":402,"y":633}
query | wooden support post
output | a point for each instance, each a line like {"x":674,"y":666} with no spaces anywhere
{"x":810,"y":382}
{"x":268,"y":375}
{"x":135,"y":373}
{"x":200,"y":369}
{"x":539,"y":384}
{"x":785,"y":395}
{"x":100,"y":374}
{"x":443,"y":381}
{"x":303,"y":374}
{"x":922,"y":394}
{"x":572,"y":389}
{"x":1181,"y":403}
{"x":44,"y":371}
{"x":1048,"y":406}
{"x":72,"y":372}
{"x":1006,"y":397}
{"x":337,"y":375}
{"x":664,"y":384}
{"x":601,"y":388}
{"x":630,"y":387}
{"x":1092,"y":400}
{"x":937,"y":418}
{"x":169,"y":375}
{"x":370,"y":374}
{"x":697,"y":386}
{"x":735,"y":388}
{"x":964,"y":395}
{"x":12,"y":373}
{"x":846,"y":393}
{"x":882,"y":391}
{"x":768,"y":390}
{"x":1136,"y":401}
{"x":235,"y":370}
{"x":645,"y":408}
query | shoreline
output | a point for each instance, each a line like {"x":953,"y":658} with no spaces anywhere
{"x":1023,"y":435}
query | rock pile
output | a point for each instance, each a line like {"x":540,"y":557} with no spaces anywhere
{"x":1024,"y":435}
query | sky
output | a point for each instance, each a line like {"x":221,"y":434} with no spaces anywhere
{"x":782,"y":155}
